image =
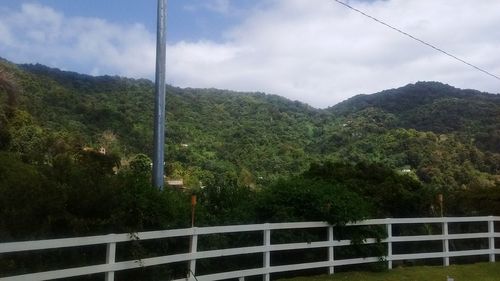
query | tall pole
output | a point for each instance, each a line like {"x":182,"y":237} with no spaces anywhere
{"x":159,"y":118}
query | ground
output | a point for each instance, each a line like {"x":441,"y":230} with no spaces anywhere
{"x":472,"y":272}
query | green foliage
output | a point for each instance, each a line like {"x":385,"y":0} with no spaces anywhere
{"x":446,"y":136}
{"x":390,"y":194}
{"x":421,"y":139}
{"x":75,"y":158}
{"x":141,"y":165}
{"x":28,"y":203}
{"x":81,"y":196}
{"x":142,"y":207}
{"x":481,"y":201}
{"x":300,"y":199}
{"x":224,"y":204}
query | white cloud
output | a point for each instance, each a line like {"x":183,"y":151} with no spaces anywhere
{"x":315,"y":51}
{"x":5,"y":36}
{"x":319,"y":52}
{"x":41,"y":34}
{"x":218,"y":6}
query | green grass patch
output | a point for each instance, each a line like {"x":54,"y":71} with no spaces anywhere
{"x":471,"y":272}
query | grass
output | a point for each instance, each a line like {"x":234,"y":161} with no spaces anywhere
{"x":471,"y":272}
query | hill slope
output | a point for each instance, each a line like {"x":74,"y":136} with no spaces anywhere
{"x":445,"y":136}
{"x":436,"y":107}
{"x":224,"y":132}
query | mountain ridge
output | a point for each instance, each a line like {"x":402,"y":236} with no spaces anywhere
{"x":63,"y":75}
{"x":254,"y":138}
{"x":430,"y":88}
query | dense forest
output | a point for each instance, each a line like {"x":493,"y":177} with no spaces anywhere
{"x":75,"y":155}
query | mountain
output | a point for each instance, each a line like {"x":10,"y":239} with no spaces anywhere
{"x":224,"y":132}
{"x":409,"y":97}
{"x":436,"y":107}
{"x":444,"y":136}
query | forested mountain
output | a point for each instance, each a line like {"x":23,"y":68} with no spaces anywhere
{"x":446,"y":135}
{"x":442,"y":135}
{"x":260,"y":158}
{"x":436,"y":107}
{"x":210,"y":133}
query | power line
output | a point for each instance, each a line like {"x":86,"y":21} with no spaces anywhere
{"x":417,"y":39}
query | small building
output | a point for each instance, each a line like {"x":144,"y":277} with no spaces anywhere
{"x":177,"y":183}
{"x":102,"y":150}
{"x":406,"y":169}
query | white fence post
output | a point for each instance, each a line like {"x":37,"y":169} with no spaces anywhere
{"x":446,"y":244}
{"x":110,"y":259}
{"x":389,"y":245}
{"x":331,"y":257}
{"x":267,"y":253}
{"x":491,"y":231}
{"x":193,"y":248}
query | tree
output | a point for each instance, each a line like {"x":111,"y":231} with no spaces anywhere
{"x":390,"y":194}
{"x":300,"y":199}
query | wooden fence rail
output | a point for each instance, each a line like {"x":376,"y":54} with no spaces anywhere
{"x":193,"y":254}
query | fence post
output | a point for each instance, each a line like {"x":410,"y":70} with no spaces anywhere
{"x":331,"y":257}
{"x":193,"y":248}
{"x":491,"y":231}
{"x":110,"y":259}
{"x":389,"y":244}
{"x":267,"y":253}
{"x":446,"y":244}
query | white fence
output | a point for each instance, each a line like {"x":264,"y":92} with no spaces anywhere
{"x":266,"y":248}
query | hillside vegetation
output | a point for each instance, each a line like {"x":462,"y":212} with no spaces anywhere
{"x":437,"y":131}
{"x":75,"y":160}
{"x":404,"y":145}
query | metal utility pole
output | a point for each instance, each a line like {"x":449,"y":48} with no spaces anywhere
{"x":159,"y":118}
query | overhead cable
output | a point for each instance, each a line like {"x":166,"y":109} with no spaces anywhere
{"x":418,"y":40}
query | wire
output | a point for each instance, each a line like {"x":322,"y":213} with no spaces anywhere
{"x":192,"y":273}
{"x":419,"y":40}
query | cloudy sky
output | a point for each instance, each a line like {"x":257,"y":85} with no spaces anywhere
{"x":315,"y":51}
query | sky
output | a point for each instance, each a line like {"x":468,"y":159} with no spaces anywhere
{"x":314,"y":51}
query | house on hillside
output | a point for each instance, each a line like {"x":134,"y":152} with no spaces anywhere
{"x":176,"y":183}
{"x":101,"y":150}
